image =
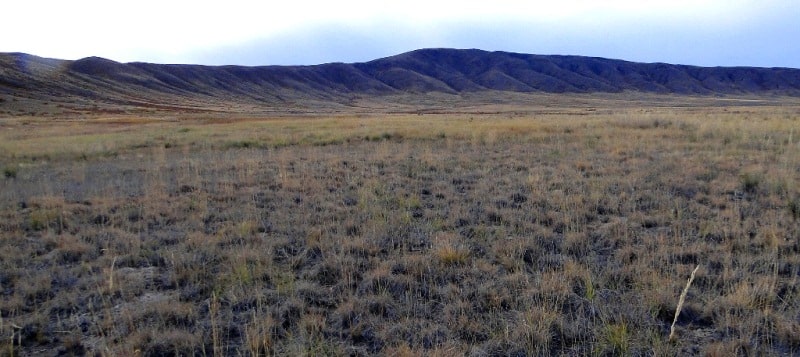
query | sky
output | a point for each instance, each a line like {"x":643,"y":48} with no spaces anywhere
{"x":763,"y":33}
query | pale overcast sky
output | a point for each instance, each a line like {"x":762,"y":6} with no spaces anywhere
{"x":699,"y":32}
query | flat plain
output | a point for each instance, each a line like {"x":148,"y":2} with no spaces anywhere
{"x":541,"y":225}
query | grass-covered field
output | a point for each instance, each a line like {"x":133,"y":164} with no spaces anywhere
{"x":565,"y":231}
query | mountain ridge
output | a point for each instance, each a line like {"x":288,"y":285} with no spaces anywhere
{"x":419,"y":72}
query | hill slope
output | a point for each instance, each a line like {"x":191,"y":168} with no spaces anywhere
{"x":447,"y":71}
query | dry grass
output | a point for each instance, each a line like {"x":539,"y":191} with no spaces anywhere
{"x":522,"y":232}
{"x":681,"y":301}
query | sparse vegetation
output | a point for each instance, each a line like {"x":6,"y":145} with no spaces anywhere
{"x":10,"y":172}
{"x":750,"y":182}
{"x":794,"y":207}
{"x":544,"y":232}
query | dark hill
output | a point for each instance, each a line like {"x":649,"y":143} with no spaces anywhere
{"x":424,"y":71}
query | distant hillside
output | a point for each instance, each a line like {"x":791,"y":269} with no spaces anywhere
{"x":449,"y":71}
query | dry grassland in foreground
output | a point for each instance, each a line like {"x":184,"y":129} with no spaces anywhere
{"x":567,"y":233}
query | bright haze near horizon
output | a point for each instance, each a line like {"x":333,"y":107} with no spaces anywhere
{"x":240,"y":32}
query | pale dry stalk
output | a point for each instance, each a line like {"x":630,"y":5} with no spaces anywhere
{"x":680,"y":303}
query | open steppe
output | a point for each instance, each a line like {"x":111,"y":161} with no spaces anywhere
{"x":537,"y":225}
